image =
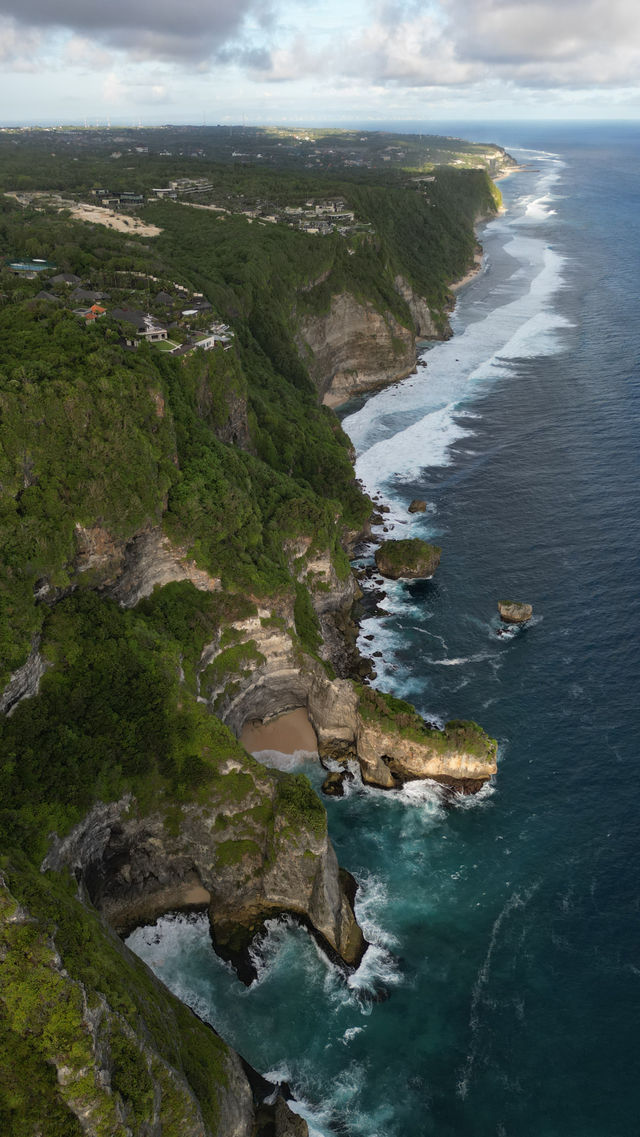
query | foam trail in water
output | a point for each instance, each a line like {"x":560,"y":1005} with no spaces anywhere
{"x":515,"y":901}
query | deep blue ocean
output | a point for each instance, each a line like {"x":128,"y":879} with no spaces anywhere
{"x":506,"y":928}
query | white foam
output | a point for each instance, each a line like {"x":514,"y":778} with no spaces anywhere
{"x":515,"y":901}
{"x":457,"y":661}
{"x":393,"y":452}
{"x":539,"y":209}
{"x":289,"y":762}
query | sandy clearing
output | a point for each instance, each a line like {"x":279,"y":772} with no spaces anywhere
{"x":96,"y":214}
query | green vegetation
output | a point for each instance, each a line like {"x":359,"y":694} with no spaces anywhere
{"x":230,"y":455}
{"x":300,"y":805}
{"x":110,"y":717}
{"x":232,"y":661}
{"x":306,"y":621}
{"x":147,"y":1036}
{"x":407,"y":557}
{"x":273,"y":162}
{"x":233,"y":852}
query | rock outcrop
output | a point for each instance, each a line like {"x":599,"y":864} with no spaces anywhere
{"x":151,"y":560}
{"x":126,"y":570}
{"x":395,"y":746}
{"x":257,"y":848}
{"x":418,"y":505}
{"x":407,"y":559}
{"x":457,"y":756}
{"x":24,"y":682}
{"x":514,"y":611}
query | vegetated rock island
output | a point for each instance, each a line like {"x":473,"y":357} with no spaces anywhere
{"x":409,"y":558}
{"x":176,"y":568}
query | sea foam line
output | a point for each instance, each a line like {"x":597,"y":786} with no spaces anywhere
{"x":516,"y":901}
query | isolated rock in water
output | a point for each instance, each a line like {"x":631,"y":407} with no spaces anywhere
{"x":333,"y":784}
{"x":514,"y":611}
{"x":417,"y":505}
{"x":410,"y":558}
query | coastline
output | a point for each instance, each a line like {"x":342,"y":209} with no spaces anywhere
{"x":456,"y":285}
{"x":507,"y":173}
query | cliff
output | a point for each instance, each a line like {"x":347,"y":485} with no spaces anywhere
{"x":395,"y":746}
{"x":354,"y":347}
{"x":255,"y":847}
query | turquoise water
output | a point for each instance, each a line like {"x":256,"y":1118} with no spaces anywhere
{"x":505,"y":928}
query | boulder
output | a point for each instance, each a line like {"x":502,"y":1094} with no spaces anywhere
{"x":514,"y":611}
{"x":333,"y":785}
{"x":418,"y":505}
{"x":409,"y":558}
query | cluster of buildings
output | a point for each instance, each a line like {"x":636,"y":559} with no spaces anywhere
{"x":138,"y":326}
{"x":184,"y":310}
{"x":180,"y":187}
{"x":111,"y":200}
{"x":320,"y":217}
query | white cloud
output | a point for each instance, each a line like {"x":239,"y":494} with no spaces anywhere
{"x":451,"y":43}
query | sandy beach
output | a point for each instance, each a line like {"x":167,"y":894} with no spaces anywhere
{"x":286,"y":734}
{"x":458,"y":284}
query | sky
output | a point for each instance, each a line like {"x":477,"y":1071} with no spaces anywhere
{"x":301,"y":62}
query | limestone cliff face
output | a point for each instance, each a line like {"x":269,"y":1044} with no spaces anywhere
{"x":332,"y":598}
{"x":461,"y":756}
{"x":353,"y":348}
{"x":151,"y":560}
{"x":24,"y":682}
{"x":274,"y":675}
{"x":256,"y":848}
{"x":427,"y":328}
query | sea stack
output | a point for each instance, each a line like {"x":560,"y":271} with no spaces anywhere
{"x":514,"y":611}
{"x":410,"y":558}
{"x":418,"y":506}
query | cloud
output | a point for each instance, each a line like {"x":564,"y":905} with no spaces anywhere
{"x":373,"y":44}
{"x":119,"y":91}
{"x":532,"y":42}
{"x":185,"y":32}
{"x":458,"y":43}
{"x":17,"y":50}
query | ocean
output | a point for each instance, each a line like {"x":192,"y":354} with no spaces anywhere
{"x":501,"y":993}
